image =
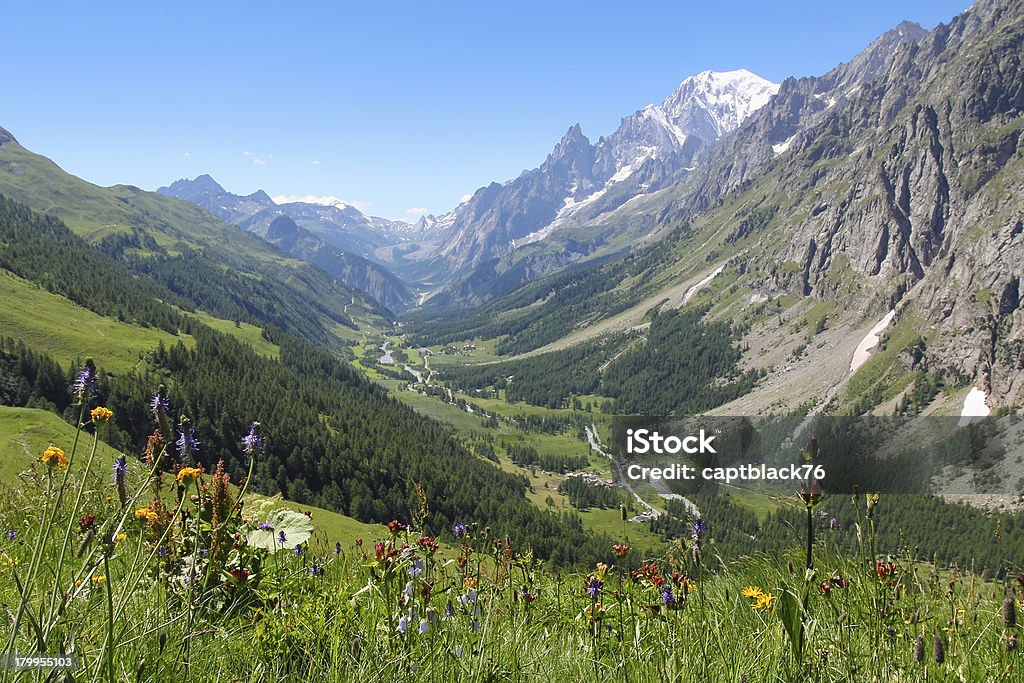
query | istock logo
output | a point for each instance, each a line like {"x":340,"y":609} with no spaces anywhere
{"x":644,"y":441}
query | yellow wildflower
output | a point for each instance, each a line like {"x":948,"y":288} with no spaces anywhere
{"x":98,"y":579}
{"x":101,"y":414}
{"x":602,"y":569}
{"x":468,"y":583}
{"x":764,"y":601}
{"x":121,"y":536}
{"x":147,"y":514}
{"x":752,"y":592}
{"x":55,"y":457}
{"x":188,"y":474}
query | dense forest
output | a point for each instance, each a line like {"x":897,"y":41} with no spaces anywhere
{"x":685,"y":365}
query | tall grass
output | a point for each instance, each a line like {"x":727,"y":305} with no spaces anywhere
{"x":169,"y":575}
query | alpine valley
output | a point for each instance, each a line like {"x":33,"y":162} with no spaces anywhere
{"x":846,"y":244}
{"x":209,"y":400}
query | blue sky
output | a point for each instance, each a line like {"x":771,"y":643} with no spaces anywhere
{"x":398,"y":108}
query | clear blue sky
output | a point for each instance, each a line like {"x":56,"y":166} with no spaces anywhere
{"x":399,"y":107}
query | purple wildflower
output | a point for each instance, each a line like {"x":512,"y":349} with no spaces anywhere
{"x":337,"y":549}
{"x":281,"y":538}
{"x":316,"y":570}
{"x":667,"y":596}
{"x":449,"y":610}
{"x":699,"y":527}
{"x":162,"y":551}
{"x":187,"y":442}
{"x":298,"y":549}
{"x":121,"y":477}
{"x":594,"y":587}
{"x":424,"y":626}
{"x":203,"y":553}
{"x":252,"y":442}
{"x":159,"y":404}
{"x":459,"y":530}
{"x":265,"y":526}
{"x":85,"y":381}
{"x":416,"y":567}
{"x":403,"y":624}
{"x":120,"y":469}
{"x":11,"y":534}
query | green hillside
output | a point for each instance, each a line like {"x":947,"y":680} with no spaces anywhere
{"x":210,"y":264}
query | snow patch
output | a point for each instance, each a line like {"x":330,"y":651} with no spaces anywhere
{"x":870,"y":341}
{"x":783,"y":146}
{"x":975,"y":407}
{"x":692,"y":291}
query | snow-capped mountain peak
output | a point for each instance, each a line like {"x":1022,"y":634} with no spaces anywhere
{"x":720,"y":99}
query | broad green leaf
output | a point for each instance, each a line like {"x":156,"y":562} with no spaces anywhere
{"x":297,"y":528}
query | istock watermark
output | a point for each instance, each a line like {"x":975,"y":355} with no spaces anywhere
{"x":901,"y":454}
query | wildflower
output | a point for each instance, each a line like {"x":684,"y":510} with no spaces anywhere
{"x":751,"y":592}
{"x":265,"y":526}
{"x":459,"y":530}
{"x":252,"y":443}
{"x":919,"y":649}
{"x":764,"y":601}
{"x":667,"y":598}
{"x":54,"y":457}
{"x":337,"y":548}
{"x":699,"y":527}
{"x":11,"y":534}
{"x":298,"y":549}
{"x":395,"y":527}
{"x":469,"y":598}
{"x":239,"y":575}
{"x":85,"y":381}
{"x":469,"y":583}
{"x":187,"y":474}
{"x":416,"y":567}
{"x":159,"y":404}
{"x":120,"y":537}
{"x":602,"y":569}
{"x":527,"y":595}
{"x":187,"y":442}
{"x":120,"y":478}
{"x":100,"y":415}
{"x":449,"y":610}
{"x":424,"y":626}
{"x":99,"y":579}
{"x":147,"y":514}
{"x":408,"y":592}
{"x":1009,"y":612}
{"x":620,"y":550}
{"x":403,"y":624}
{"x":594,"y":586}
{"x":884,"y":569}
{"x":832,"y":523}
{"x":281,"y":538}
{"x":316,"y":570}
{"x":87,"y":522}
{"x":428,"y":544}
